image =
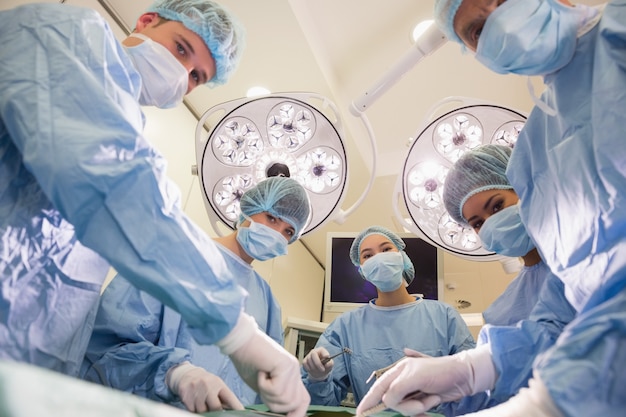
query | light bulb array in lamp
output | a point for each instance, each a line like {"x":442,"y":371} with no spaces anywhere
{"x":432,"y":154}
{"x":242,"y":142}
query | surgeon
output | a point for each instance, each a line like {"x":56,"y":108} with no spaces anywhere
{"x":475,"y":189}
{"x":477,"y":194}
{"x":568,"y":171}
{"x":378,"y":332}
{"x":82,"y":188}
{"x":141,"y":346}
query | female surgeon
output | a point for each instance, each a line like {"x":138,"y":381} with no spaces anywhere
{"x":377,"y":332}
{"x":568,"y":170}
{"x":478,"y":194}
{"x":141,"y":346}
{"x":476,"y":188}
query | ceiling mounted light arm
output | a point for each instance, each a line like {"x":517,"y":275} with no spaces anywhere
{"x":430,"y":40}
{"x":342,"y":215}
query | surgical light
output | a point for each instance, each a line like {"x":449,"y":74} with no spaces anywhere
{"x":432,"y":153}
{"x":244,"y":141}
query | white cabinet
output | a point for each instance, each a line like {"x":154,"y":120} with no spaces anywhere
{"x":301,"y":335}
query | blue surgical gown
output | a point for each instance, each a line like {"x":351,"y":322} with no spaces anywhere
{"x":570,"y":173}
{"x":519,"y":297}
{"x":514,"y":348}
{"x":82,"y":188}
{"x":136,"y":339}
{"x":377,"y":336}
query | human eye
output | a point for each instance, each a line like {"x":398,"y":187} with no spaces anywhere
{"x":195,"y":76}
{"x":498,"y":205}
{"x":271,"y":218}
{"x":476,"y":225}
{"x":181,"y":49}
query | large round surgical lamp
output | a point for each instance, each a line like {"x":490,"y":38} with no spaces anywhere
{"x":244,"y":141}
{"x":434,"y":150}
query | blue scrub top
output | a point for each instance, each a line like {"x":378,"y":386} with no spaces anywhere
{"x":377,"y":336}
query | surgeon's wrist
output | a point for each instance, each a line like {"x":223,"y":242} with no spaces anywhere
{"x":239,"y":335}
{"x":318,"y":379}
{"x":483,"y":369}
{"x":175,"y":373}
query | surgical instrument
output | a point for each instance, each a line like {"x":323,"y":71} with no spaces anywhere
{"x":344,"y":350}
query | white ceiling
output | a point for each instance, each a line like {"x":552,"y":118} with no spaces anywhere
{"x":339,"y":49}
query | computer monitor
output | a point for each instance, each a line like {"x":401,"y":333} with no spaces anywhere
{"x":345,"y":289}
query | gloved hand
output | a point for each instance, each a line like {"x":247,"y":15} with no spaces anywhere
{"x":266,"y":367}
{"x":443,"y":379}
{"x":312,"y":363}
{"x":200,"y":390}
{"x":415,"y":353}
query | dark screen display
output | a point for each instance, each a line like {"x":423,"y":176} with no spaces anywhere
{"x":347,"y":285}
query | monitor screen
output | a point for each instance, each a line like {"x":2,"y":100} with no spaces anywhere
{"x":345,"y":289}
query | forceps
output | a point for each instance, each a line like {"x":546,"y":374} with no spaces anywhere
{"x":377,"y":373}
{"x":344,"y":350}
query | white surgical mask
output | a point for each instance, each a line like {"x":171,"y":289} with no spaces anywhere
{"x":164,"y":80}
{"x":384,"y":270}
{"x":261,"y":241}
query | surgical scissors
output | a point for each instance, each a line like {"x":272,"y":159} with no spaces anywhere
{"x":344,"y":350}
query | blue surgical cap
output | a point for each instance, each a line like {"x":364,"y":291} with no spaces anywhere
{"x":482,"y":168}
{"x":221,"y":32}
{"x":445,"y":11}
{"x":281,"y":197}
{"x":355,"y":250}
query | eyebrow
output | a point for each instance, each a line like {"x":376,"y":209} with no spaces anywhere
{"x":485,"y":206}
{"x":203,"y":76}
{"x":382,"y":245}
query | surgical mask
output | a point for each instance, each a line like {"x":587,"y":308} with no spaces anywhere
{"x":530,"y":37}
{"x":164,"y":80}
{"x":261,"y":241}
{"x":505,"y":234}
{"x":384,"y":270}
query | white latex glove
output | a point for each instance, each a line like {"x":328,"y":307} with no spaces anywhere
{"x":415,"y":353}
{"x":442,"y":379}
{"x":266,"y":367}
{"x":534,"y":401}
{"x":312,"y":363}
{"x":201,"y":390}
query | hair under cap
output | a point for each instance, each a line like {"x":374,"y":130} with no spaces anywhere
{"x":218,"y":28}
{"x":482,"y":168}
{"x":445,"y":11}
{"x":355,"y":250}
{"x":281,"y":197}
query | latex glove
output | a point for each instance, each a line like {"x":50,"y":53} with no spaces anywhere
{"x":415,"y":354}
{"x":201,"y":390}
{"x":312,"y":363}
{"x":266,"y":367}
{"x":534,"y":401}
{"x":442,"y":379}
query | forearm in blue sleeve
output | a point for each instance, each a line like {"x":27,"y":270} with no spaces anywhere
{"x":77,"y":124}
